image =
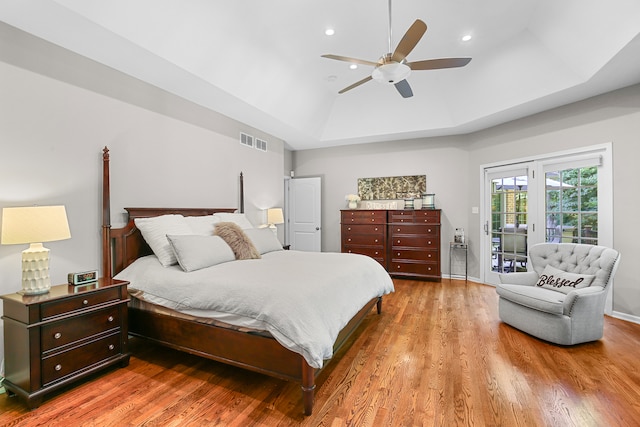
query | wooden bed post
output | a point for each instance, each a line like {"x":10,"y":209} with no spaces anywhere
{"x":241,"y":193}
{"x":308,"y":387}
{"x":106,"y":216}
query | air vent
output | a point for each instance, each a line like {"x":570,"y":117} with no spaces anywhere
{"x":261,"y":144}
{"x":246,"y":139}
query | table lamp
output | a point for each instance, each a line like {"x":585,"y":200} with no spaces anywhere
{"x":34,"y":225}
{"x":274,"y":216}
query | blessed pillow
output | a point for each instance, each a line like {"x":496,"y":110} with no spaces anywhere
{"x":562,"y":281}
{"x":155,"y":230}
{"x":240,"y":243}
{"x":196,"y":251}
{"x":202,"y":225}
{"x":238,"y":218}
{"x":264,"y":239}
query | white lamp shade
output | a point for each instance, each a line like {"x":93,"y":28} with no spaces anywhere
{"x":275,"y":216}
{"x":34,"y":224}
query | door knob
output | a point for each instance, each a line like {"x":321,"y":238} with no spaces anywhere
{"x":317,"y":228}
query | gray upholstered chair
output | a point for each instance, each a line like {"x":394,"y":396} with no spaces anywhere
{"x":532,"y":301}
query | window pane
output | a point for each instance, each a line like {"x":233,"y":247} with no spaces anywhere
{"x":589,"y":199}
{"x":569,"y":199}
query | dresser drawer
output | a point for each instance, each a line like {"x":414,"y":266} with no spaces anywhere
{"x":417,"y":255}
{"x":70,"y":362}
{"x":377,"y":253}
{"x":413,"y":268}
{"x":364,"y":217}
{"x":373,"y":229}
{"x":415,"y":242}
{"x":363,"y":239}
{"x":64,"y":306}
{"x":58,"y":334}
{"x":414,"y":229}
{"x":425,"y":216}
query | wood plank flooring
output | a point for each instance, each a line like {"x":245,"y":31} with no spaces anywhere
{"x":437,"y":356}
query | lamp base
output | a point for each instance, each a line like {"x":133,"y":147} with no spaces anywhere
{"x":35,"y":270}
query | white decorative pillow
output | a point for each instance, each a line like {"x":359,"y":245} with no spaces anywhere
{"x":202,"y":225}
{"x":196,"y":251}
{"x":264,"y":239}
{"x":155,"y":230}
{"x":562,"y":281}
{"x":239,"y":219}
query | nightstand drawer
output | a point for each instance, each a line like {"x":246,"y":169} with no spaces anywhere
{"x":67,"y":305}
{"x":70,"y":362}
{"x":58,"y":334}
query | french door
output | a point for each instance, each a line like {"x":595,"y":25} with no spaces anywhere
{"x":561,"y":197}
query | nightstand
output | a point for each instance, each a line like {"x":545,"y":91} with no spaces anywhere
{"x":54,"y":339}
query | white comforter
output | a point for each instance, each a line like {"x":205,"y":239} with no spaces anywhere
{"x":303,"y":299}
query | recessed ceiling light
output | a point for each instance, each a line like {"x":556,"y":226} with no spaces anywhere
{"x":329,"y":31}
{"x":466,"y":37}
{"x":353,"y":66}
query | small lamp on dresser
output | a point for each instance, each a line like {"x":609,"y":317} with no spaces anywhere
{"x":34,"y":225}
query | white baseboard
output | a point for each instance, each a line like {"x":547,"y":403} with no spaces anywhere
{"x":627,"y":317}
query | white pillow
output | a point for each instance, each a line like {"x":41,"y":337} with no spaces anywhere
{"x":264,"y":239}
{"x":196,"y":251}
{"x":202,"y":225}
{"x":239,"y":219}
{"x":155,"y":230}
{"x":562,"y":281}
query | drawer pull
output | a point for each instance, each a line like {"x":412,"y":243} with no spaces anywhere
{"x":110,"y":318}
{"x":429,"y":242}
{"x":429,"y":230}
{"x":398,"y":267}
{"x":376,"y":241}
{"x":398,"y":253}
{"x":58,"y":367}
{"x":57,"y":335}
{"x":429,"y":255}
{"x":398,"y":241}
{"x":85,"y":302}
{"x":398,"y":229}
{"x":349,"y":239}
{"x":373,"y":220}
{"x":376,"y":252}
{"x":111,"y":347}
{"x":349,"y":228}
{"x":375,"y":229}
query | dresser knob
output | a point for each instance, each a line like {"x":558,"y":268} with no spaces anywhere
{"x":398,"y":253}
{"x":398,"y":267}
{"x":376,"y":241}
{"x":111,"y":347}
{"x":85,"y":302}
{"x":375,"y":229}
{"x":349,"y":239}
{"x":376,"y":253}
{"x":398,"y":241}
{"x":110,"y":319}
{"x":398,"y":229}
{"x":349,"y":228}
{"x":429,"y":230}
{"x":57,"y":335}
{"x":373,"y":220}
{"x":429,"y":255}
{"x":58,"y":367}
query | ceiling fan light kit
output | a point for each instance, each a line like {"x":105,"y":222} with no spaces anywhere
{"x":391,"y":73}
{"x":393,"y":68}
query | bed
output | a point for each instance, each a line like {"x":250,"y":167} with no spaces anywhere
{"x":270,"y":346}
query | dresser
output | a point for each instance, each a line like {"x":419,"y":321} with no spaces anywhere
{"x":414,"y":243}
{"x":365,"y":232}
{"x":405,"y":242}
{"x":54,"y":339}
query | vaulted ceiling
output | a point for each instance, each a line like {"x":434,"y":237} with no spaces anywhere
{"x":259,"y":61}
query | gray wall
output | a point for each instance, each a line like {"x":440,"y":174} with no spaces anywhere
{"x":452,"y":166}
{"x":57,"y":112}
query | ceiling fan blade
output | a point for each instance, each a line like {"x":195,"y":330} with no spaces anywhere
{"x":434,"y":64}
{"x":352,"y":60}
{"x":409,"y":40}
{"x":404,"y":88}
{"x":356,"y":84}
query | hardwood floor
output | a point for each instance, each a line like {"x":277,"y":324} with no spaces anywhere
{"x":437,"y":356}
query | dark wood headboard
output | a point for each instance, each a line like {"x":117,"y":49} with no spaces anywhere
{"x":122,"y":246}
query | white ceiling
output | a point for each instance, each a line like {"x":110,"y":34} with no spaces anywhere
{"x":259,"y":61}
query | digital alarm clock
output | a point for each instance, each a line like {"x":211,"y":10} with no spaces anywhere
{"x":82,"y":278}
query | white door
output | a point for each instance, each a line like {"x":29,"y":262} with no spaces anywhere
{"x":305,"y":214}
{"x":506,"y":212}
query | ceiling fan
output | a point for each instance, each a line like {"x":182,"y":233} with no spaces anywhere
{"x":393,"y":68}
